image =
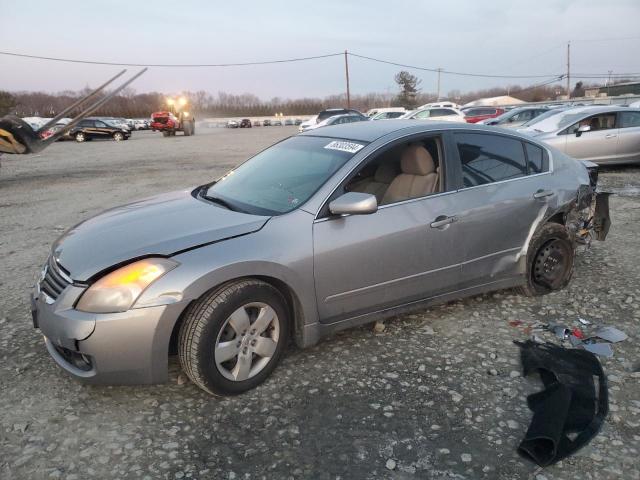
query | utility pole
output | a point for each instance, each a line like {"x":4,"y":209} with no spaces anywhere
{"x":346,"y":70}
{"x":438,"y":96}
{"x":609,"y":81}
{"x":568,"y":70}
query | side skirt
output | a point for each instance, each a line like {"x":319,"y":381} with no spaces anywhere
{"x":315,"y":332}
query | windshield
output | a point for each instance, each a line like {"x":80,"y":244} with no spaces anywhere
{"x":555,"y":121}
{"x":284,"y":176}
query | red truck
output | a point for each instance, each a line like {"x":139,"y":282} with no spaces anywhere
{"x":169,"y":123}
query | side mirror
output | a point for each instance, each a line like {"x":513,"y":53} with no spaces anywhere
{"x":582,"y":129}
{"x":354,"y":203}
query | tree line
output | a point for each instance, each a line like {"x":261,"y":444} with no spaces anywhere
{"x":130,"y":104}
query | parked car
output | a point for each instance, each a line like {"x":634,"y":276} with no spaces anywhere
{"x":323,"y":231}
{"x":475,"y":114}
{"x":339,"y":120}
{"x":245,"y":123}
{"x":440,"y":105}
{"x":438,"y":114}
{"x":600,"y":134}
{"x":277,"y":123}
{"x":515,"y":117}
{"x":552,"y":111}
{"x":90,"y":128}
{"x":288,"y":122}
{"x":266,"y":123}
{"x":232,"y":124}
{"x":257,"y":123}
{"x":376,"y":111}
{"x":297,"y":121}
{"x":307,"y":123}
{"x":388,"y":115}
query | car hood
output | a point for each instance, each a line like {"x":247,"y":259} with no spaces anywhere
{"x":160,"y":225}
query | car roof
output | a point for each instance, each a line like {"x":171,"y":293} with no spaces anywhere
{"x":591,"y":109}
{"x":371,"y":131}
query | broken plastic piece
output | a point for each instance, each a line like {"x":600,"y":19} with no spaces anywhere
{"x":601,"y":349}
{"x":561,"y":331}
{"x":584,"y":321}
{"x":577,"y":333}
{"x":575,"y":341}
{"x":610,"y":334}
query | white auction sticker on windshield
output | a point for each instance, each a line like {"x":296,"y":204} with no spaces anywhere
{"x":349,"y":147}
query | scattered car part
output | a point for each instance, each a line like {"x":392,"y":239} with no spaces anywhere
{"x":610,"y":334}
{"x":570,"y":411}
{"x":597,"y":348}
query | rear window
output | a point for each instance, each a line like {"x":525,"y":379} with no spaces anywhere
{"x":490,"y":158}
{"x":330,"y":113}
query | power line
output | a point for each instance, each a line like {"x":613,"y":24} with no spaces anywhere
{"x":317,"y":57}
{"x":435,"y":70}
{"x":168,"y":65}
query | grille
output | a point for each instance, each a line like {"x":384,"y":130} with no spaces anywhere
{"x":55,"y":279}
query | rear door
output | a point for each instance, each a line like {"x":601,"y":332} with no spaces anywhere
{"x":499,"y":200}
{"x":102,"y":130}
{"x":628,"y":136}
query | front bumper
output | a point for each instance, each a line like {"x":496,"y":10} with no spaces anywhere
{"x":131,"y":347}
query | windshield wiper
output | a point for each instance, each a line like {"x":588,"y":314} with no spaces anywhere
{"x":223,"y":202}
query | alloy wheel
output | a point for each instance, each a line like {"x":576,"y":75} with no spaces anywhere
{"x":247,"y":341}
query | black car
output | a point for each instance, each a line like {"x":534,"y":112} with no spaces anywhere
{"x":245,"y":123}
{"x":332,"y":112}
{"x":90,"y":128}
{"x":266,"y":123}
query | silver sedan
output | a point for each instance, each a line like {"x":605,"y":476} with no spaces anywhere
{"x":321,"y":232}
{"x":601,"y":134}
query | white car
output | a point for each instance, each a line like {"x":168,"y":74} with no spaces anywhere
{"x":308,"y":123}
{"x":439,"y":114}
{"x":388,"y":114}
{"x":375,"y":112}
{"x":440,"y":105}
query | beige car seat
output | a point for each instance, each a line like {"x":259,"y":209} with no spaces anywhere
{"x":384,"y":175}
{"x":418,"y":177}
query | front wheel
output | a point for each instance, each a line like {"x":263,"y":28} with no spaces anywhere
{"x":550,"y":260}
{"x":80,"y":137}
{"x":118,"y":136}
{"x":233,"y":337}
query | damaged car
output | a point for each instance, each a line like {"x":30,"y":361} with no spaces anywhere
{"x":323,"y":231}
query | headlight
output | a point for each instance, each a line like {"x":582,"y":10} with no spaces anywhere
{"x":119,"y":290}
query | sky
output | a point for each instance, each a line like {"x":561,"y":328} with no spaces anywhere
{"x":510,"y":37}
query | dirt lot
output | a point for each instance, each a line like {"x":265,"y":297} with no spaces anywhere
{"x":437,"y":395}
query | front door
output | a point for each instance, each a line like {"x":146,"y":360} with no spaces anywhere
{"x":598,"y":144}
{"x":366,"y":263}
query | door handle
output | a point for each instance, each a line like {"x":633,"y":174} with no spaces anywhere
{"x":443,"y":221}
{"x":610,"y":135}
{"x":542,"y":194}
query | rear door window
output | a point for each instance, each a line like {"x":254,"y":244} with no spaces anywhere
{"x":537,"y":159}
{"x":488,"y":158}
{"x":629,"y":119}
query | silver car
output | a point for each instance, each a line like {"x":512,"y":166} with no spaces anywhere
{"x":515,"y":117}
{"x":320,"y":232}
{"x":601,"y":134}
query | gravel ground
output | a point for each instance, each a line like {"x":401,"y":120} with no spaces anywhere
{"x":437,"y":394}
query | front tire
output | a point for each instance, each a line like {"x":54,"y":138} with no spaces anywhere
{"x":80,"y":137}
{"x":550,"y":260}
{"x":233,"y":337}
{"x":118,"y":136}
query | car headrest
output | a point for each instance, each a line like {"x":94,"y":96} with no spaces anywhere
{"x":385,"y":173}
{"x":416,"y":160}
